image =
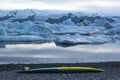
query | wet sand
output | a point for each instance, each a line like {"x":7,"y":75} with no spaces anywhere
{"x":112,"y":72}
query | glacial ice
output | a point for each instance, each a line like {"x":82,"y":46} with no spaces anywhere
{"x":102,"y":23}
{"x":68,"y":22}
{"x":113,"y":31}
{"x":21,"y":38}
{"x":2,"y":31}
{"x":4,"y":13}
{"x":73,"y":29}
{"x":76,"y":28}
{"x":79,"y":39}
{"x":116,"y":24}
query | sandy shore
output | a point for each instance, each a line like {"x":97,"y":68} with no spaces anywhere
{"x":112,"y":72}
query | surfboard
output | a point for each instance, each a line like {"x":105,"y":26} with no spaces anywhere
{"x":60,"y":69}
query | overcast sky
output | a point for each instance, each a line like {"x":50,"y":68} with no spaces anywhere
{"x":99,"y":6}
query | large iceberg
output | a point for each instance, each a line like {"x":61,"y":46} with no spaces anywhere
{"x":58,"y":26}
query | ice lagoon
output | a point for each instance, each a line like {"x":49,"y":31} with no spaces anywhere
{"x":50,"y":53}
{"x":32,"y":36}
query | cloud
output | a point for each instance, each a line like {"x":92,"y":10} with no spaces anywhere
{"x":105,"y":6}
{"x":46,"y":1}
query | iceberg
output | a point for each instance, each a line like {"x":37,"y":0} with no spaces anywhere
{"x":79,"y":39}
{"x":24,"y":28}
{"x":19,"y":14}
{"x":58,"y":26}
{"x":68,"y":22}
{"x":42,"y":30}
{"x":102,"y":23}
{"x":113,"y":31}
{"x":61,"y":29}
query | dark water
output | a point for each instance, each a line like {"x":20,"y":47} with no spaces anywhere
{"x":50,"y":53}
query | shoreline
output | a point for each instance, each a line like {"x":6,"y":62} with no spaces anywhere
{"x":112,"y":71}
{"x":13,"y":66}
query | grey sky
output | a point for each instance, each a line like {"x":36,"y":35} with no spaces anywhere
{"x":100,"y":6}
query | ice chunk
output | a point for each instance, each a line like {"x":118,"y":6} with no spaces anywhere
{"x":116,"y":24}
{"x":2,"y":31}
{"x":72,"y":29}
{"x":86,"y":22}
{"x":26,"y":25}
{"x":82,"y":14}
{"x":43,"y":31}
{"x":21,"y":38}
{"x":112,"y":31}
{"x":68,"y":22}
{"x":78,"y":39}
{"x":23,"y":13}
{"x":117,"y":37}
{"x":102,"y":23}
{"x":4,"y":13}
{"x":28,"y":28}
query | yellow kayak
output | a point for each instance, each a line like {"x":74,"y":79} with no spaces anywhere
{"x":60,"y":69}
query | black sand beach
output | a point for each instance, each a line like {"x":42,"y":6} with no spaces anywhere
{"x":112,"y":72}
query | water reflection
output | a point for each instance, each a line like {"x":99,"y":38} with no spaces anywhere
{"x":4,"y":44}
{"x":50,"y":53}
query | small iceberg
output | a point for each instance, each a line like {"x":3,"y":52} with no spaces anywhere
{"x":68,"y":40}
